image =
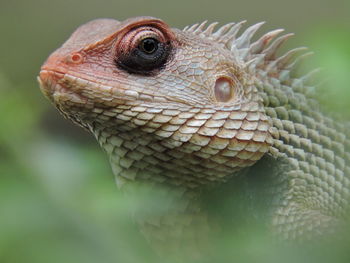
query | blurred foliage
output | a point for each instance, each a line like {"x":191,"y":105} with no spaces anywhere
{"x":332,"y":57}
{"x":58,"y":201}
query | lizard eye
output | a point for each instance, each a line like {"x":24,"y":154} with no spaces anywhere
{"x":149,"y":45}
{"x":143,"y":50}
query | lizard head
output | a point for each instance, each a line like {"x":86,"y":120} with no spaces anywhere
{"x":179,"y":106}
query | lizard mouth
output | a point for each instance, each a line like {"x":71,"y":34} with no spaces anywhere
{"x":49,"y":82}
{"x":58,"y":87}
{"x":53,"y":86}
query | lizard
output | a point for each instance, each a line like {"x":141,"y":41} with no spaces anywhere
{"x":199,"y":107}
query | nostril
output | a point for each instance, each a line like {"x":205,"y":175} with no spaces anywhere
{"x":75,"y":58}
{"x":223,"y":89}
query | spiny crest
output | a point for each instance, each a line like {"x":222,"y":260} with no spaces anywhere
{"x":261,"y":53}
{"x":223,"y":35}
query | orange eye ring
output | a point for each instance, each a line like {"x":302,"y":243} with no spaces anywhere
{"x":143,"y":49}
{"x":133,"y":38}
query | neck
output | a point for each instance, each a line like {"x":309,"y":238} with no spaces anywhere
{"x":136,"y":155}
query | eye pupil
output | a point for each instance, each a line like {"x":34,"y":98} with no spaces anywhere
{"x":149,"y":45}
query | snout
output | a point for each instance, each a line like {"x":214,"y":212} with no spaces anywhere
{"x":49,"y":82}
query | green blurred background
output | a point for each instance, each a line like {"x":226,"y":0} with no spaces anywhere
{"x":58,"y":200}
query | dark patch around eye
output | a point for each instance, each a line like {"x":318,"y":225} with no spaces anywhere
{"x":150,"y":55}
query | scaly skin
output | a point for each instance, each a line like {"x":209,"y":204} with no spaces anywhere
{"x":203,"y":110}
